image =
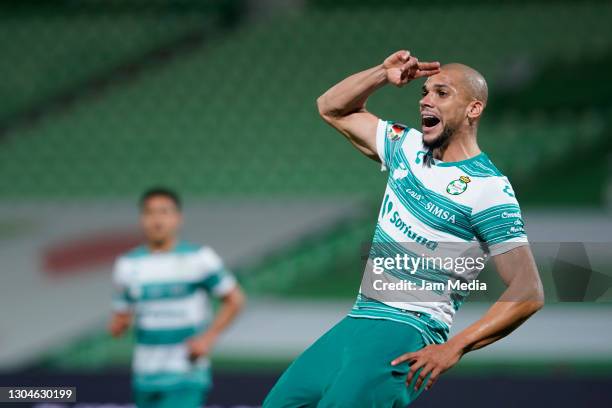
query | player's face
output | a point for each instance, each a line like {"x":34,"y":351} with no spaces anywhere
{"x":160,"y":219}
{"x":443,"y":108}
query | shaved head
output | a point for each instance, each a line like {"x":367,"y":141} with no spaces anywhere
{"x":472,"y":81}
{"x":453,"y":102}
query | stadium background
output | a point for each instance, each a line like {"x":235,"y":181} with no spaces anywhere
{"x":101,"y":99}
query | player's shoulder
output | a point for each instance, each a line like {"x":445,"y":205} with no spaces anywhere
{"x":482,"y":167}
{"x":395,"y":131}
{"x":394,"y":137}
{"x":496,"y":183}
{"x":126,"y":261}
{"x":495,"y":187}
{"x":202,"y":255}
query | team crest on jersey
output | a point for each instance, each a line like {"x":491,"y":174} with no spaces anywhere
{"x":395,"y":131}
{"x":458,"y":186}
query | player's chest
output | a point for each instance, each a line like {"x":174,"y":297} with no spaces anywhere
{"x":429,"y":182}
{"x":438,"y":198}
{"x":163,"y":278}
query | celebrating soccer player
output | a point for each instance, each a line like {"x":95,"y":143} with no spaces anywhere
{"x":164,"y":287}
{"x":444,"y":196}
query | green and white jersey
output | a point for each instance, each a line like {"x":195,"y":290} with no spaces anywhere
{"x":440,"y":211}
{"x":168,"y":292}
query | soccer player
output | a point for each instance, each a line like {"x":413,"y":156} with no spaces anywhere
{"x":164,"y":287}
{"x":444,"y":196}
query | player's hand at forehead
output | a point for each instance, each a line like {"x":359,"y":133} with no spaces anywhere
{"x":402,"y":68}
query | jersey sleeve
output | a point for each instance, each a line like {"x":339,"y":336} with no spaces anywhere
{"x":122,"y":302}
{"x":216,"y":279}
{"x":497,"y":220}
{"x":389,"y":137}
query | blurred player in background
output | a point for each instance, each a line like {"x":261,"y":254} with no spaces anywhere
{"x":164,"y":287}
{"x":441,"y":190}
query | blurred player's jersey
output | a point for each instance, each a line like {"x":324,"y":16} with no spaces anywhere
{"x":168,"y":292}
{"x":438,"y":210}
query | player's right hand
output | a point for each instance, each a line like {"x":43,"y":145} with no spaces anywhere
{"x":401,"y":68}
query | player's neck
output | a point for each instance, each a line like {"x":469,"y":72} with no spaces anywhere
{"x":162,"y":246}
{"x":461,"y":147}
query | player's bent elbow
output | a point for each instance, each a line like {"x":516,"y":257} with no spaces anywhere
{"x":537,"y":300}
{"x":539,"y":304}
{"x":539,"y":295}
{"x":325,"y":112}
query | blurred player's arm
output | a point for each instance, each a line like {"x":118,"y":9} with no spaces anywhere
{"x":522,"y":298}
{"x":121,"y":318}
{"x":231,"y":304}
{"x":343,"y":105}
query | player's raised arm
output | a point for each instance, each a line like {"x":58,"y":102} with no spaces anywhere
{"x":343,"y":105}
{"x":523,"y":297}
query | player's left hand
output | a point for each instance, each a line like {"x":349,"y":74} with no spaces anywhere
{"x":200,"y":346}
{"x":433,"y":359}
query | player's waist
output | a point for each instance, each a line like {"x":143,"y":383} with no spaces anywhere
{"x":160,"y":335}
{"x":433,"y":329}
{"x":174,"y":359}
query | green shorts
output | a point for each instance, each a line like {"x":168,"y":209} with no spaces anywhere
{"x":190,"y":397}
{"x":350,"y":366}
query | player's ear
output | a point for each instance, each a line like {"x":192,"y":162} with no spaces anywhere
{"x":474,"y":110}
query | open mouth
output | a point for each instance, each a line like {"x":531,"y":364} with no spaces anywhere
{"x":429,"y":121}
